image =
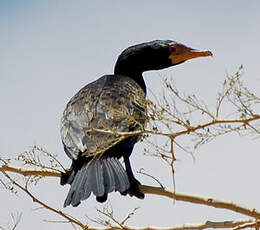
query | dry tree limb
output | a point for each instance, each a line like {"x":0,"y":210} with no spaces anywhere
{"x":201,"y":200}
{"x":29,"y":172}
{"x":153,"y":190}
{"x":189,"y":129}
{"x":206,"y":225}
{"x":108,"y":213}
{"x":255,"y":225}
{"x":59,"y":212}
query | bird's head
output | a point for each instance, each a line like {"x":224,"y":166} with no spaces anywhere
{"x":155,"y":55}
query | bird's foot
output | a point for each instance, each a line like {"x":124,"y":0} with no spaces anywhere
{"x":134,"y":189}
{"x":65,"y":177}
{"x":101,"y":199}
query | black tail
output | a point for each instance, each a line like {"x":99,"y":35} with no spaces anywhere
{"x":100,"y":176}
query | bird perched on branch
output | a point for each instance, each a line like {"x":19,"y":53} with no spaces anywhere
{"x":98,"y":124}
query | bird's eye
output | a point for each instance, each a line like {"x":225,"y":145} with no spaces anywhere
{"x":172,"y":49}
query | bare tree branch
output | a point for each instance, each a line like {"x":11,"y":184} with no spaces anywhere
{"x":188,"y":130}
{"x":206,"y":225}
{"x":59,"y":212}
{"x":109,"y":215}
{"x":29,"y":172}
{"x":172,"y":122}
{"x":151,"y":190}
{"x":254,"y":224}
{"x":201,"y":200}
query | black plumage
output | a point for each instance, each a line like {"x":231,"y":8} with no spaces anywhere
{"x":99,"y":112}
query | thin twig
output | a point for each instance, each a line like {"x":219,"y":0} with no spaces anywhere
{"x":129,"y":216}
{"x":59,"y":212}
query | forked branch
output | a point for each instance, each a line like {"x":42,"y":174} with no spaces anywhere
{"x":208,"y":201}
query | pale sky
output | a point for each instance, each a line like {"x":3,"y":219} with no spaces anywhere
{"x":51,"y":49}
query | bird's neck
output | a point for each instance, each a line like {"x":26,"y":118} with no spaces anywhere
{"x":140,"y":81}
{"x":137,"y":76}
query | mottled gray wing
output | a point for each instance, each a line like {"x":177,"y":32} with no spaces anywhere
{"x":94,"y":116}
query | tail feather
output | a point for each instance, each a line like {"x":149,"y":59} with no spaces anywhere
{"x":98,"y":180}
{"x":71,"y":178}
{"x":80,"y":187}
{"x":121,"y":178}
{"x":86,"y":190}
{"x":99,"y":176}
{"x":108,"y":177}
{"x":74,"y":189}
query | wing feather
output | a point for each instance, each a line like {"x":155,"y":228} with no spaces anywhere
{"x":112,"y":103}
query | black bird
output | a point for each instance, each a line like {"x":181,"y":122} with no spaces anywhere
{"x":96,"y":116}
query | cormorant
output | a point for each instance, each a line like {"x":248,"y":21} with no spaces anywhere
{"x":100,"y":111}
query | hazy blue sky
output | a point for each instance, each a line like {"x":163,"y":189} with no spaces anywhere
{"x":50,"y":49}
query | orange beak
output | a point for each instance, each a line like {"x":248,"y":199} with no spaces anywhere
{"x":188,"y":54}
